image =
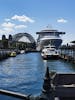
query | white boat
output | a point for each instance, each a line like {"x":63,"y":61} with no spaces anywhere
{"x":13,"y":54}
{"x":49,"y":52}
{"x":49,"y":36}
{"x":22,"y":51}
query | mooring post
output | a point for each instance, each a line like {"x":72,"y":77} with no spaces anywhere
{"x":47,"y":81}
{"x":47,"y":91}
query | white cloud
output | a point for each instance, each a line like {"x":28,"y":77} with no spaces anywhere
{"x":22,"y":18}
{"x":20,"y":26}
{"x":7,"y":19}
{"x":8,"y":29}
{"x":2,"y":31}
{"x":62,"y":20}
{"x":8,"y":25}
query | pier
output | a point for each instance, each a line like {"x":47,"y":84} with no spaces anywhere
{"x":4,"y":54}
{"x":67,"y":53}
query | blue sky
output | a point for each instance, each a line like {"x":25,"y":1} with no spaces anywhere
{"x":34,"y":15}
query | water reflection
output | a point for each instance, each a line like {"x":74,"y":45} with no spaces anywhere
{"x":23,"y":73}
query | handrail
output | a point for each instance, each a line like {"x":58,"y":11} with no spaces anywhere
{"x":13,"y":94}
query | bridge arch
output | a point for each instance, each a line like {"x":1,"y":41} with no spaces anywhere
{"x":24,"y":37}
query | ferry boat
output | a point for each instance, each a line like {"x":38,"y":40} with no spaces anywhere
{"x":13,"y":54}
{"x":49,"y":52}
{"x":22,"y":51}
{"x":49,"y":36}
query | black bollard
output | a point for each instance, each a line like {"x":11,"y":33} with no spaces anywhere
{"x":47,"y":91}
{"x":47,"y":82}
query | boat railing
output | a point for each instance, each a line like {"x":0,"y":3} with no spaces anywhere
{"x":14,"y":94}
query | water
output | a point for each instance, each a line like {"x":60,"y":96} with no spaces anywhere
{"x":25,"y":72}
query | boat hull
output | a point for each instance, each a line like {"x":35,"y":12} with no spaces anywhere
{"x":50,"y":57}
{"x":55,"y":42}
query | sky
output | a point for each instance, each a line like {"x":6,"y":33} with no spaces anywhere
{"x":32,"y":16}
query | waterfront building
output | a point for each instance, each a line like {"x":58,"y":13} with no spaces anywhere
{"x":1,"y":44}
{"x":49,"y":37}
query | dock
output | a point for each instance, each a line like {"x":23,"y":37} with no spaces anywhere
{"x":67,"y":53}
{"x":5,"y":53}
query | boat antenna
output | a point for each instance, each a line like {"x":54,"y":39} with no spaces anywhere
{"x":49,"y":26}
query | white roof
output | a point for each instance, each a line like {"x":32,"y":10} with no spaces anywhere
{"x":24,"y":39}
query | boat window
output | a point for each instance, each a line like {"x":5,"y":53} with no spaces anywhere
{"x":51,"y":50}
{"x":56,"y":52}
{"x":52,"y":47}
{"x":47,"y":47}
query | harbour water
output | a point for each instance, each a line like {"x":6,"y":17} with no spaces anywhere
{"x":25,"y":72}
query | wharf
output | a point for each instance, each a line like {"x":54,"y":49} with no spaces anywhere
{"x":4,"y":54}
{"x":67,"y":53}
{"x":31,"y":51}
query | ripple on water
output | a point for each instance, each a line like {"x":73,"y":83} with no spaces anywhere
{"x":24,"y":73}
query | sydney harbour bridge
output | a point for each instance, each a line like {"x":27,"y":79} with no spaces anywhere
{"x":24,"y":37}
